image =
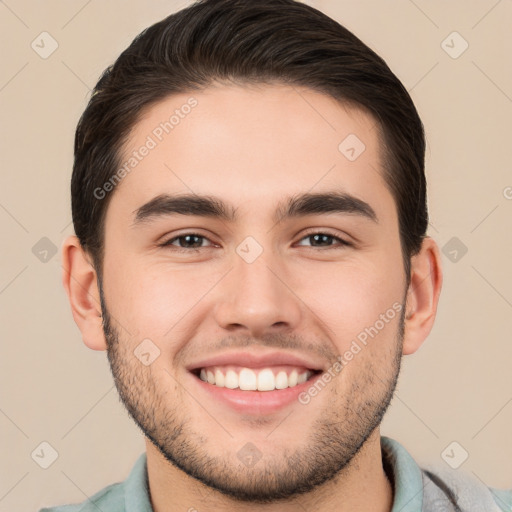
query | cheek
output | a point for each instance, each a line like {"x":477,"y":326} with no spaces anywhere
{"x":352,"y":297}
{"x":153,"y":298}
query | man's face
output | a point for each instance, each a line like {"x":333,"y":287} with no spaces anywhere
{"x":257,"y":299}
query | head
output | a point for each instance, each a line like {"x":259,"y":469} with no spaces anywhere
{"x":249,"y":128}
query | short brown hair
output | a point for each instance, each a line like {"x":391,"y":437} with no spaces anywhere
{"x":243,"y":42}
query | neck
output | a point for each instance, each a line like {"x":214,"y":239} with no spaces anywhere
{"x":361,"y":486}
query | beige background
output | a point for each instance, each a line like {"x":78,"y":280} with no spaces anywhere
{"x":458,"y":387}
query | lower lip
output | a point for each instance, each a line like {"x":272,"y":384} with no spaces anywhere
{"x":256,"y":402}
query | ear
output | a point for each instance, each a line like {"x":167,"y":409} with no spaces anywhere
{"x":422,"y":295}
{"x":81,"y":284}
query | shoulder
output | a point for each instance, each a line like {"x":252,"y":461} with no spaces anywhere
{"x":110,"y":498}
{"x":438,"y":488}
{"x":467,"y":492}
{"x":131,"y":495}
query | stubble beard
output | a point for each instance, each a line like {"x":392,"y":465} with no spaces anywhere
{"x":335,"y":437}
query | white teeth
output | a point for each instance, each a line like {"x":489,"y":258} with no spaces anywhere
{"x":219,"y":378}
{"x":303,"y":377}
{"x":266,"y":380}
{"x":248,"y":380}
{"x":281,"y":380}
{"x":231,"y":381}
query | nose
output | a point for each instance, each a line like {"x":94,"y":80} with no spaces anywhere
{"x":257,"y":298}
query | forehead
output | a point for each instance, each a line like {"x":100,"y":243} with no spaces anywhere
{"x":252,"y":146}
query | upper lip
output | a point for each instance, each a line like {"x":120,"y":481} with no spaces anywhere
{"x":256,"y":360}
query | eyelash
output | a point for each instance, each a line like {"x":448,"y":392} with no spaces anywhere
{"x":168,"y":243}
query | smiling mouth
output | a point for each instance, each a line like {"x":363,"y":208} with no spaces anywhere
{"x":255,"y":379}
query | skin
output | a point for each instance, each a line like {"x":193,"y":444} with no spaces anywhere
{"x":252,"y":147}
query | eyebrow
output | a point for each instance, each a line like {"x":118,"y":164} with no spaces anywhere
{"x":295,"y":206}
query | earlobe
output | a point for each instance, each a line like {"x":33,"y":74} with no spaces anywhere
{"x":422,"y":295}
{"x":80,"y":282}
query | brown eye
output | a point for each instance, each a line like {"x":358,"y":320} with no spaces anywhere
{"x":185,"y":242}
{"x":324,"y":240}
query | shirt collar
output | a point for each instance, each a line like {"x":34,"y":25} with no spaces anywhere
{"x":136,"y":488}
{"x":405,"y":475}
